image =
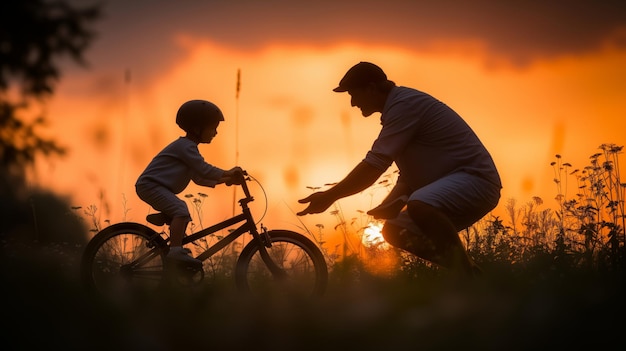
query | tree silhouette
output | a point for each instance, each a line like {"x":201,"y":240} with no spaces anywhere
{"x":35,"y":35}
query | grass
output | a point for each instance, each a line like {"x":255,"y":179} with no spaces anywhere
{"x":537,"y":306}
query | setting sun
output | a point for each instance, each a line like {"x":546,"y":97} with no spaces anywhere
{"x":373,"y":237}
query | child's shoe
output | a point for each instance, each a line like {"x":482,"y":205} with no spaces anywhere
{"x":180,"y":254}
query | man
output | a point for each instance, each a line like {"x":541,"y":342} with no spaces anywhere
{"x":447,"y":178}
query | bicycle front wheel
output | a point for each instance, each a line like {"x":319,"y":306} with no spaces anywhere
{"x":298,"y":257}
{"x":123,"y":260}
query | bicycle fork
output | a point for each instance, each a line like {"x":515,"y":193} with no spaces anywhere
{"x":266,"y":242}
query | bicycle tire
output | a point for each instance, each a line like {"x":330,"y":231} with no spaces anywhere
{"x":105,"y":269}
{"x":298,"y":256}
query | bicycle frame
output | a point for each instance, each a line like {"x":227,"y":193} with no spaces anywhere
{"x":248,"y":226}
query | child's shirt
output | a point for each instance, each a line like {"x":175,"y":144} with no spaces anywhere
{"x":177,"y":164}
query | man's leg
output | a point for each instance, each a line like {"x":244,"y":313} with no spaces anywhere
{"x":415,"y":243}
{"x":435,"y":225}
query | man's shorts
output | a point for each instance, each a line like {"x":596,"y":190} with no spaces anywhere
{"x":463,"y":197}
{"x":162,"y":200}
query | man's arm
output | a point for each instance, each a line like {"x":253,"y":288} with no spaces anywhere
{"x":359,"y":179}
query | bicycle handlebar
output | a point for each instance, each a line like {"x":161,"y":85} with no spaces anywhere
{"x":244,"y":179}
{"x":244,"y":183}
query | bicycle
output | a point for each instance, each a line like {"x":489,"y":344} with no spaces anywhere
{"x":129,"y":257}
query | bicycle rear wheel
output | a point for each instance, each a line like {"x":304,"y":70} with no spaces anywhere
{"x":301,"y":260}
{"x":123,"y":260}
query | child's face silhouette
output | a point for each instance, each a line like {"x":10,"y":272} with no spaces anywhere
{"x":209,"y":133}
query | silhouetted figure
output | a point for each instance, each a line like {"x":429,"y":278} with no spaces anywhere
{"x":176,"y":165}
{"x":447,"y":178}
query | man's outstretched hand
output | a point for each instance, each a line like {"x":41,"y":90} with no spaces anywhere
{"x":318,"y":202}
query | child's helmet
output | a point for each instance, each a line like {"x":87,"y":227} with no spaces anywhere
{"x":194,"y":115}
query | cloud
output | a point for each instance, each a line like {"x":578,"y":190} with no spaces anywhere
{"x":517,"y":31}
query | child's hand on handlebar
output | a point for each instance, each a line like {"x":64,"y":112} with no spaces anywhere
{"x":234,"y":175}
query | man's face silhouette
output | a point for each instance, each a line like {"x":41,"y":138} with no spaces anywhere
{"x":364,"y":99}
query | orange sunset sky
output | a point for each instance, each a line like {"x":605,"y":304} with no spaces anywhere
{"x":532,"y":80}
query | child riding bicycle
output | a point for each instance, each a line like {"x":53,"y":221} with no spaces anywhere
{"x":171,"y":170}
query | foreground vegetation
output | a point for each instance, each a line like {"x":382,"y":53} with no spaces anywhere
{"x":535,"y":305}
{"x":553,"y":278}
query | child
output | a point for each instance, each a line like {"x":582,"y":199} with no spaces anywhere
{"x":174,"y":167}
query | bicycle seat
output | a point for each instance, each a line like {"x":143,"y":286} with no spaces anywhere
{"x":159,"y":219}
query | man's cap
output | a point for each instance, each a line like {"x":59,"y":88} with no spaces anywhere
{"x":360,"y":75}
